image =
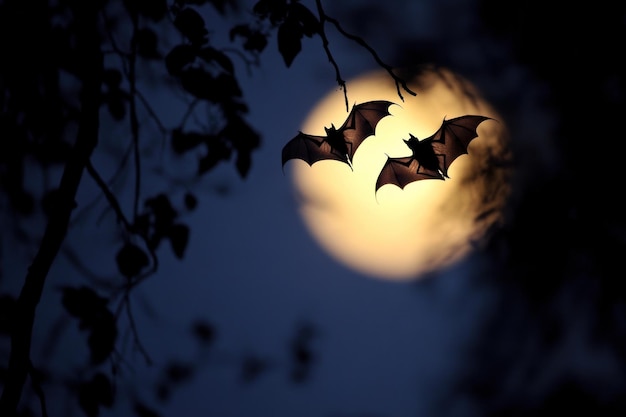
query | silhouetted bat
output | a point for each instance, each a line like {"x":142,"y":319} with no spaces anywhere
{"x":341,"y":143}
{"x":431,"y":156}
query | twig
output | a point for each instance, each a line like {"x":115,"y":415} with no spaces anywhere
{"x":189,"y":112}
{"x":133,"y":326}
{"x":134,"y":123}
{"x":331,"y":59}
{"x":151,"y":112}
{"x":108,"y":195}
{"x":122,"y":218}
{"x":400,"y":83}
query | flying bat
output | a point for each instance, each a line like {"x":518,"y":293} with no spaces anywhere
{"x":433,"y":155}
{"x":341,"y":143}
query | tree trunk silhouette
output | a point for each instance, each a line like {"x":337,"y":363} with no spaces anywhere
{"x":90,"y":62}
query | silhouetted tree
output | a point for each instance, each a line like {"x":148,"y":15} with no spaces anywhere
{"x":71,"y":72}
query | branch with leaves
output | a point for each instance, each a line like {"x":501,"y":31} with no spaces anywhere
{"x":206,"y":75}
{"x":293,"y":20}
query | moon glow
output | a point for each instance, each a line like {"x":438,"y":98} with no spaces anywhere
{"x":394,"y":233}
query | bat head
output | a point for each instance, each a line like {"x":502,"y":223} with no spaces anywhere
{"x":411,"y":142}
{"x":330,"y":130}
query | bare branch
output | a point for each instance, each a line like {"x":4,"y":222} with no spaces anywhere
{"x":133,"y":327}
{"x":122,"y":218}
{"x":134,"y":122}
{"x":108,"y":195}
{"x":400,"y":83}
{"x":325,"y":43}
{"x":151,"y":112}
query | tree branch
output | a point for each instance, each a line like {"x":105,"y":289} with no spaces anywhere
{"x":399,"y":81}
{"x":90,"y":59}
{"x":331,"y":59}
{"x":108,"y":194}
{"x":134,"y":122}
{"x":342,"y":83}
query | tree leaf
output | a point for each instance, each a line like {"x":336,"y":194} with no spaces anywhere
{"x":131,"y":260}
{"x":177,"y":372}
{"x":102,"y":337}
{"x":116,"y":103}
{"x":204,"y":332}
{"x":275,"y":10}
{"x":185,"y":141}
{"x":243,"y":163}
{"x":199,"y":83}
{"x":179,"y":57}
{"x":112,"y":77}
{"x":147,"y":44}
{"x":212,"y":55}
{"x":95,"y":393}
{"x":191,"y":202}
{"x":289,"y":41}
{"x":308,"y":21}
{"x":179,"y":237}
{"x":255,"y":40}
{"x":152,"y":9}
{"x":82,"y":302}
{"x":191,"y":24}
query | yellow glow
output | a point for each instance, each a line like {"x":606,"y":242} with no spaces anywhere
{"x":394,"y":233}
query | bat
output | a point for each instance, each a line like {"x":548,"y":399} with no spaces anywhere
{"x":341,"y":143}
{"x":433,"y":155}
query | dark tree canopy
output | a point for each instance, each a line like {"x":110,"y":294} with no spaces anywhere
{"x":71,"y":73}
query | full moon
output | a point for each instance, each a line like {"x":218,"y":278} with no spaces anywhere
{"x":403,"y":233}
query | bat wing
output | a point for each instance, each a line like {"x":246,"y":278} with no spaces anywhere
{"x":402,"y":171}
{"x":453,"y":137}
{"x":309,"y":149}
{"x":362,"y":121}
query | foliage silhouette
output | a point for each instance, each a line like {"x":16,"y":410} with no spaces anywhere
{"x":85,"y":72}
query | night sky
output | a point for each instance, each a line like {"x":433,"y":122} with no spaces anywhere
{"x":253,"y":272}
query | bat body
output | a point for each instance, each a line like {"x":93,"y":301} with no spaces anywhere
{"x":432,"y":156}
{"x":341,"y":143}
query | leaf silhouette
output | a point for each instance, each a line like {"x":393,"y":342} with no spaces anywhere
{"x":131,"y":260}
{"x":191,"y":24}
{"x":289,"y":40}
{"x":179,"y":57}
{"x":95,"y":393}
{"x":82,"y":302}
{"x":204,"y":332}
{"x":186,"y":141}
{"x":307,"y":20}
{"x":212,"y":55}
{"x":179,"y":237}
{"x":191,"y":202}
{"x":275,"y":10}
{"x":255,"y":40}
{"x":147,"y":44}
{"x":102,"y":337}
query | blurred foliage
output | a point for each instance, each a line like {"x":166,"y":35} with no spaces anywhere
{"x":142,"y":46}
